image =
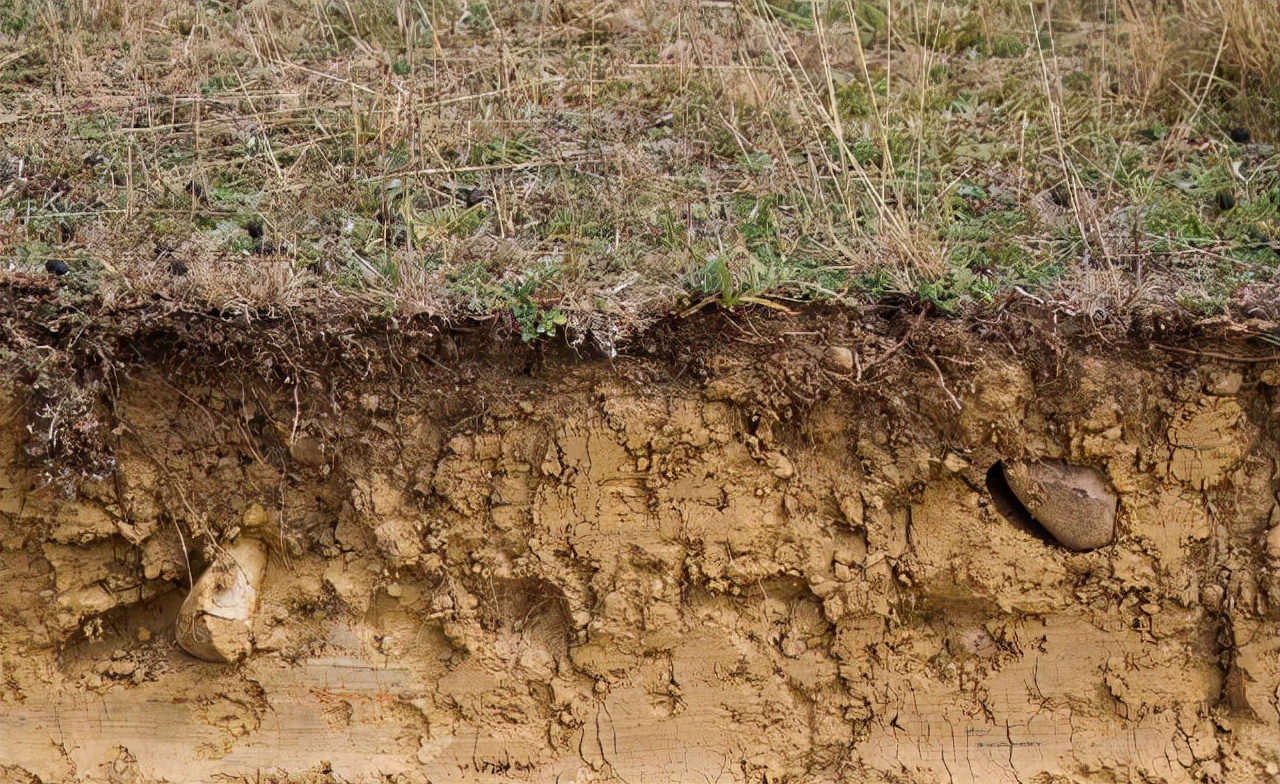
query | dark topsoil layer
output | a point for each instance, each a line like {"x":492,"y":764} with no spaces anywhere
{"x":73,"y":352}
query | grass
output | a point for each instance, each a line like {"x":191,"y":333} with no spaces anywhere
{"x":556,"y":164}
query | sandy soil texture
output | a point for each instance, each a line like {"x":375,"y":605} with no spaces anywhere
{"x":774,"y":553}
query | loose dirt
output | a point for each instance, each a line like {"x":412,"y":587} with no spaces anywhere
{"x":749,"y":549}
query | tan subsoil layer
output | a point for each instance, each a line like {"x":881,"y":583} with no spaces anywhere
{"x":728,"y":561}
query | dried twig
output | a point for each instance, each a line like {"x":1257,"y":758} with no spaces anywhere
{"x":1217,"y":355}
{"x":892,"y":349}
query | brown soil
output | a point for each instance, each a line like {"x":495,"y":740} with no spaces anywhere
{"x":734,"y":553}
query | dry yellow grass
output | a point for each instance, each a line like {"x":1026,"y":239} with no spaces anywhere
{"x":594,"y":165}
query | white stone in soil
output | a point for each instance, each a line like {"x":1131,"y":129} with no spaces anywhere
{"x":215,"y":622}
{"x":1271,"y":545}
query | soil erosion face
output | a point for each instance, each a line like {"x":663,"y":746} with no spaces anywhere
{"x":765,"y":564}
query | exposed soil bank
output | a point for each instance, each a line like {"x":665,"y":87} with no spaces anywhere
{"x":763,"y":550}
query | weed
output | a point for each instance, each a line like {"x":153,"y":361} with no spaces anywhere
{"x":731,"y":279}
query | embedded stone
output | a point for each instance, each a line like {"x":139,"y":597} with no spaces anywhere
{"x":1223,"y":383}
{"x":839,"y":359}
{"x":1271,"y":545}
{"x":215,"y":623}
{"x":1076,"y":505}
{"x":782,"y":467}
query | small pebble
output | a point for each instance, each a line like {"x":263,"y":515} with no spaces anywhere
{"x":782,"y":467}
{"x":1224,"y":383}
{"x":122,"y":669}
{"x":256,"y":518}
{"x":839,"y":359}
{"x":1272,"y":544}
{"x":1211,"y":597}
{"x":793,"y":647}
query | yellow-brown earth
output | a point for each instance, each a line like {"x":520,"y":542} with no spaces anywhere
{"x":751,"y":549}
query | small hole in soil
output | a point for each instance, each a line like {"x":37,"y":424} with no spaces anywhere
{"x":1010,"y":508}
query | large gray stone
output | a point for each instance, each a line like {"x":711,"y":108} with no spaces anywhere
{"x":1076,"y":505}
